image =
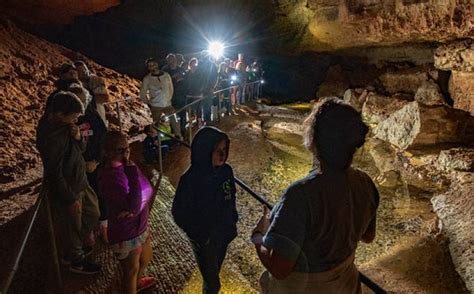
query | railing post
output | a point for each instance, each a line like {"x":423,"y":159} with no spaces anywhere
{"x":54,"y":248}
{"x":190,"y":124}
{"x":117,"y":108}
{"x":160,"y":154}
{"x":219,"y":96}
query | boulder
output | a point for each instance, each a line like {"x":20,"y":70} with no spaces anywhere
{"x":403,"y":80}
{"x":416,"y":125}
{"x":429,"y":93}
{"x":461,"y":88}
{"x":456,"y":56}
{"x":356,"y":98}
{"x":460,"y":159}
{"x":455,"y":210}
{"x":335,"y":83}
{"x":377,"y":108}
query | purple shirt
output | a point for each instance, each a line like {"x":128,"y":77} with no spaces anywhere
{"x":125,"y":188}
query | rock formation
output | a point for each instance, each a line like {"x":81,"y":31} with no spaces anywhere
{"x":378,"y":108}
{"x":26,"y":79}
{"x":458,"y":57}
{"x":417,"y":125}
{"x":455,"y":210}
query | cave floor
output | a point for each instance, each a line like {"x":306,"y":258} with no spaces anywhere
{"x":408,"y":255}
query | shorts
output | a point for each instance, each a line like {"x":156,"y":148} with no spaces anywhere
{"x":122,"y":249}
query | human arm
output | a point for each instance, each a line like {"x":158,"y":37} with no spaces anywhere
{"x":369,"y":234}
{"x":281,"y":245}
{"x":144,"y":91}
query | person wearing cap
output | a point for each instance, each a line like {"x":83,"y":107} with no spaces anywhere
{"x":96,"y":86}
{"x":157,"y":92}
{"x":67,"y":75}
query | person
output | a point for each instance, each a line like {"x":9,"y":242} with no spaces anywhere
{"x":67,"y":75}
{"x":223,"y":82}
{"x":93,"y":130}
{"x":204,"y":204}
{"x":150,"y":143}
{"x":193,"y":89}
{"x":242,"y":78}
{"x":157,"y":91}
{"x":179,"y":94}
{"x":60,"y":145}
{"x":180,"y":60}
{"x":128,"y":194}
{"x":309,"y":241}
{"x":207,"y":73}
{"x":96,"y":86}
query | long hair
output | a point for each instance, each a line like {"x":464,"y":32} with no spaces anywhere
{"x":333,"y":132}
{"x":112,"y":139}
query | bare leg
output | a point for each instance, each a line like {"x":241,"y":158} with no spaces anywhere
{"x":145,"y":257}
{"x":130,"y":267}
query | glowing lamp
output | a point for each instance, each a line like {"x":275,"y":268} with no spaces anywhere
{"x":216,"y":49}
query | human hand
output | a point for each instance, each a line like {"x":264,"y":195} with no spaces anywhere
{"x":75,"y":208}
{"x":125,"y":214}
{"x":263,"y":223}
{"x":91,"y":166}
{"x":75,"y":132}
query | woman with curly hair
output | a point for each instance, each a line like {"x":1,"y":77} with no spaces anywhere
{"x":308,"y":242}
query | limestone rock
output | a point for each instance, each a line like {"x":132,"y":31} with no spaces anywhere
{"x":461,"y":88}
{"x":461,"y":159}
{"x":378,"y":108}
{"x":455,"y":209}
{"x":429,"y":94}
{"x":403,"y":80}
{"x":417,"y":125}
{"x":355,"y":98}
{"x":335,"y":83}
{"x":456,"y":56}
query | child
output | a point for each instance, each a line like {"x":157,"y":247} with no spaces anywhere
{"x":150,"y":144}
{"x":128,"y":195}
{"x":60,"y":145}
{"x":204,"y":204}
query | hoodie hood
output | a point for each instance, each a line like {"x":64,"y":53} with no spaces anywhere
{"x":203,"y":145}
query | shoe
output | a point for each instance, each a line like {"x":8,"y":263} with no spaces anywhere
{"x":85,"y":267}
{"x":67,"y":260}
{"x":145,"y":283}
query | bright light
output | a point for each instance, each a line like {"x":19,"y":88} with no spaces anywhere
{"x":262,"y":81}
{"x":216,"y":49}
{"x":233,"y":78}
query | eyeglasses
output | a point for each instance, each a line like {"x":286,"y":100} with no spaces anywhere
{"x":122,"y":149}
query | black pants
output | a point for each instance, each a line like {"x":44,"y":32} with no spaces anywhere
{"x":210,"y":256}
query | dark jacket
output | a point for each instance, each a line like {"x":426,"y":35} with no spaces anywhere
{"x":93,"y":132}
{"x":64,"y":167}
{"x":204,"y":204}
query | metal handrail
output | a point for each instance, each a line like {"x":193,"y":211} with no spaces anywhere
{"x":363,"y":278}
{"x":13,"y":268}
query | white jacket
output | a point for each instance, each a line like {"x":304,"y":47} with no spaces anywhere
{"x":157,"y":90}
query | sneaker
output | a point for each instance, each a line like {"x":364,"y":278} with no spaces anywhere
{"x":85,"y":267}
{"x":145,"y":283}
{"x":67,"y":260}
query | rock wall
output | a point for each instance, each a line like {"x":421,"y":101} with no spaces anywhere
{"x":27,"y":66}
{"x":458,"y":57}
{"x":55,"y":11}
